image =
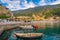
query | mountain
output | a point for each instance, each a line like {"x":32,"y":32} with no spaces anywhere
{"x":4,"y":12}
{"x":35,"y":10}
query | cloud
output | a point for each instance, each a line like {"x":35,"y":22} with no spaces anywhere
{"x":15,"y":4}
{"x":45,"y":2}
{"x":56,"y":2}
{"x":23,"y":4}
{"x":42,"y":3}
{"x":29,"y":5}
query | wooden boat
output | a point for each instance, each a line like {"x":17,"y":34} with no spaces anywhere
{"x":29,"y":35}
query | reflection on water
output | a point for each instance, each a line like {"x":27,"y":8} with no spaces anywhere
{"x":51,"y":37}
{"x":50,"y":29}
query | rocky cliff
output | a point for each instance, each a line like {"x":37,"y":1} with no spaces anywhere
{"x":5,"y":13}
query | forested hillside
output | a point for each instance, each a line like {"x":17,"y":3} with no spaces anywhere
{"x":46,"y":11}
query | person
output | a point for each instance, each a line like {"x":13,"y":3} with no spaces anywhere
{"x":35,"y":27}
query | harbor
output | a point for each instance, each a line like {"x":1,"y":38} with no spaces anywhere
{"x":24,"y":25}
{"x":50,"y":28}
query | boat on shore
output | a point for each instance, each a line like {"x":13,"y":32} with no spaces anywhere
{"x":29,"y":35}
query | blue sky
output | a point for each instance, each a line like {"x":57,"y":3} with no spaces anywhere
{"x":25,"y":4}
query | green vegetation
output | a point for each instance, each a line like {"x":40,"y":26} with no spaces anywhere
{"x":46,"y":11}
{"x":3,"y":16}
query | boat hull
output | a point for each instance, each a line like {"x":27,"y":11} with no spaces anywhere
{"x":30,"y":38}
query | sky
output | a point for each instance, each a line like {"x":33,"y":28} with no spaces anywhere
{"x":14,"y":5}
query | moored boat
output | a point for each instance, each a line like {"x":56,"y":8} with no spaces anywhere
{"x":26,"y":27}
{"x":29,"y":35}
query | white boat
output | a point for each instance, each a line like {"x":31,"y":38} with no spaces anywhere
{"x":29,"y":35}
{"x":26,"y":27}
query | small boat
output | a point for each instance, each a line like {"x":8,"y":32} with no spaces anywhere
{"x":26,"y":27}
{"x":29,"y":35}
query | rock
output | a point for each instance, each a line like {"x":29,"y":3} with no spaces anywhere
{"x":5,"y":12}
